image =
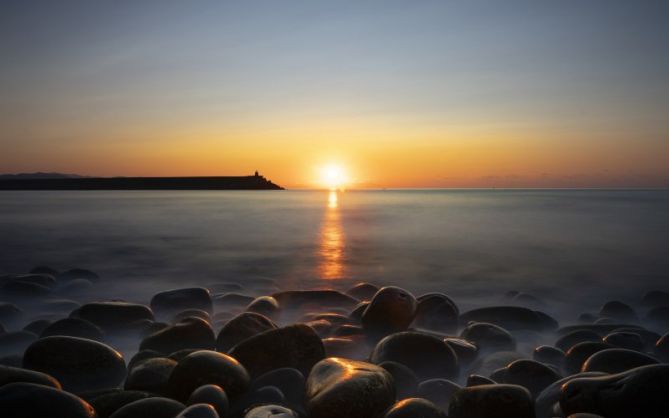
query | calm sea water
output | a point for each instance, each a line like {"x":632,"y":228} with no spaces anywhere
{"x":564,"y":246}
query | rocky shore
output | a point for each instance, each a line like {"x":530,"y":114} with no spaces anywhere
{"x":366,"y":352}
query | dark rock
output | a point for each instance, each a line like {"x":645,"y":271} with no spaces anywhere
{"x":358,"y":310}
{"x":343,"y":388}
{"x":406,"y":382}
{"x":141,"y":356}
{"x":266,"y":395}
{"x":78,"y":364}
{"x":549,"y":397}
{"x":213,"y":395}
{"x":77,"y":273}
{"x":648,"y":337}
{"x":191,"y":333}
{"x":437,"y":391}
{"x":616,"y":360}
{"x":15,"y":375}
{"x":530,"y":374}
{"x":16,"y":342}
{"x":619,"y":311}
{"x":204,"y":368}
{"x":181,"y":354}
{"x":567,"y":341}
{"x":495,"y":361}
{"x":30,"y":400}
{"x":190,"y":313}
{"x":36,"y":327}
{"x":111,"y":401}
{"x":309,"y":300}
{"x":150,"y":375}
{"x":290,"y":381}
{"x":349,"y":348}
{"x":488,"y":337}
{"x":363,"y":291}
{"x":150,"y":407}
{"x":549,"y":355}
{"x":579,"y":353}
{"x":490,"y":401}
{"x":511,"y":318}
{"x":629,"y":340}
{"x":414,"y":408}
{"x":466,"y":351}
{"x":437,"y":312}
{"x":391,"y":310}
{"x":478,"y":380}
{"x":640,"y":392}
{"x":599,"y":329}
{"x":241,"y":327}
{"x":296,"y":346}
{"x":174,"y":301}
{"x":200,"y":410}
{"x":264,"y":305}
{"x":147,"y":327}
{"x":655,"y":298}
{"x":112,"y":316}
{"x":271,"y":411}
{"x":74,"y":327}
{"x":427,"y":356}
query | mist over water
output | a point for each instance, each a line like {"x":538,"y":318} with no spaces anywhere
{"x":573,"y":249}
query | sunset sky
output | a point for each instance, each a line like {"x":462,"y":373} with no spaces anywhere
{"x":398,"y":93}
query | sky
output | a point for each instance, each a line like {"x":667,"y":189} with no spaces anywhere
{"x":473,"y":93}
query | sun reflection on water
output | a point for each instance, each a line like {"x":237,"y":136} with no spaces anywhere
{"x":331,"y":248}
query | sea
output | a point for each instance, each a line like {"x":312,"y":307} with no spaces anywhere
{"x":570,"y":250}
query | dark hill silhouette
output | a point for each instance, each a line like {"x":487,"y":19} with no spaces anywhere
{"x":69,"y":182}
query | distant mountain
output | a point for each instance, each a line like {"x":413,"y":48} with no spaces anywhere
{"x":40,"y":175}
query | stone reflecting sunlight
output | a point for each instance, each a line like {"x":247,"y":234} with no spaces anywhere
{"x":332,"y":240}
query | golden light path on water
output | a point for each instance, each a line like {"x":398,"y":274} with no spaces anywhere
{"x":332,"y":240}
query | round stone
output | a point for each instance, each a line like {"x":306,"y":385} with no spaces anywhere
{"x":414,"y":408}
{"x":241,"y":327}
{"x":549,"y":355}
{"x":619,"y":311}
{"x":108,"y":402}
{"x":290,"y":381}
{"x":112,"y":316}
{"x":530,"y":374}
{"x":30,"y":400}
{"x":74,"y":327}
{"x":213,"y":395}
{"x":363,"y":291}
{"x":200,"y":410}
{"x":264,"y":305}
{"x":488,"y":337}
{"x":77,"y":363}
{"x":579,"y":353}
{"x":625,"y":339}
{"x":150,"y":407}
{"x":437,"y":312}
{"x":391,"y":310}
{"x":191,"y":333}
{"x":486,"y":401}
{"x":478,"y":380}
{"x":150,"y":375}
{"x":271,"y":411}
{"x":437,"y":391}
{"x":511,"y":318}
{"x":569,"y":340}
{"x":616,"y":360}
{"x":406,"y":382}
{"x":171,"y":302}
{"x":10,"y":374}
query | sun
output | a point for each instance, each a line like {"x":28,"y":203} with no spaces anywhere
{"x":333,"y":176}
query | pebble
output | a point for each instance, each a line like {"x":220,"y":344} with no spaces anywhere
{"x":619,"y":311}
{"x":530,"y":374}
{"x":150,"y":375}
{"x":569,"y":340}
{"x":241,"y":327}
{"x":579,"y":353}
{"x":200,"y":410}
{"x":625,"y":339}
{"x":30,"y":400}
{"x":415,"y":408}
{"x":213,"y":395}
{"x":363,"y":291}
{"x":310,"y":300}
{"x":271,"y":411}
{"x":105,"y":404}
{"x":549,"y":355}
{"x":112,"y":316}
{"x":545,"y":403}
{"x":265,"y":305}
{"x":437,"y":312}
{"x":391,"y":310}
{"x":488,"y":337}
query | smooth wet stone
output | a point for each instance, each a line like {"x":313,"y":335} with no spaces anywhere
{"x":436,"y":311}
{"x":150,"y":375}
{"x":427,"y":356}
{"x":296,"y":346}
{"x":466,"y":351}
{"x":549,"y":355}
{"x":107,"y":403}
{"x":271,"y":411}
{"x":191,"y":333}
{"x":530,"y":374}
{"x":77,"y":273}
{"x":74,"y":327}
{"x":648,"y":337}
{"x":290,"y":381}
{"x":265,"y":305}
{"x":491,"y":401}
{"x":266,"y":395}
{"x":207,"y":367}
{"x":15,"y":374}
{"x":241,"y":327}
{"x":322,"y":327}
{"x":343,"y":388}
{"x":625,"y":339}
{"x":488,"y":337}
{"x":213,"y":395}
{"x":567,"y":341}
{"x":655,"y":298}
{"x":112,"y":316}
{"x":661,"y":348}
{"x":549,"y":397}
{"x":616,"y":360}
{"x":391,"y":310}
{"x":141,"y":356}
{"x":492,"y":362}
{"x":363,"y":291}
{"x":511,"y":318}
{"x":16,"y":342}
{"x":309,"y":300}
{"x":181,"y":354}
{"x":174,"y":301}
{"x":150,"y":407}
{"x":478,"y":380}
{"x":437,"y":391}
{"x":406,"y":381}
{"x":350,"y":348}
{"x":619,"y":311}
{"x":200,"y":410}
{"x":36,"y":327}
{"x":30,"y":400}
{"x":579,"y":353}
{"x":189,"y":313}
{"x":640,"y":392}
{"x":600,"y":329}
{"x":414,"y":408}
{"x":77,"y":363}
{"x":358,"y":310}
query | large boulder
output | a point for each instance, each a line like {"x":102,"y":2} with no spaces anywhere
{"x":345,"y":388}
{"x":77,"y":363}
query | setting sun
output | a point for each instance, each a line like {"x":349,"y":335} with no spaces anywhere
{"x":333,"y":176}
